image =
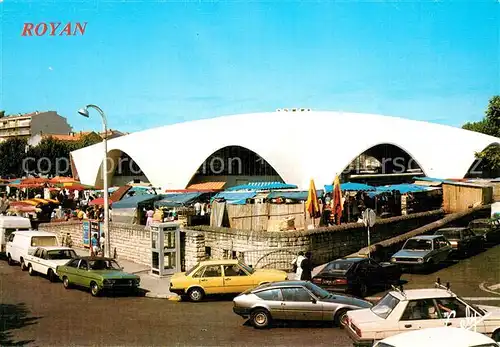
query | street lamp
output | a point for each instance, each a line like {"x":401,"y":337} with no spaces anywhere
{"x":85,"y":112}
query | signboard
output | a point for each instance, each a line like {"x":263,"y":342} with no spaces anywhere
{"x":95,"y":228}
{"x":495,"y":210}
{"x":86,"y":233}
{"x":369,"y":217}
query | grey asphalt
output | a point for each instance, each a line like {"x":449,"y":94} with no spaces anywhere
{"x":35,"y":312}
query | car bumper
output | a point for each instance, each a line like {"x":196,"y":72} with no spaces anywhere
{"x":356,"y":340}
{"x":177,"y":291}
{"x":242,"y":311}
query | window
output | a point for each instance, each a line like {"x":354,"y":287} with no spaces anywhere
{"x":38,"y":253}
{"x":103,"y":264}
{"x":418,"y":245}
{"x":339,"y":266}
{"x":385,"y":306}
{"x":247,"y":268}
{"x":212,"y":271}
{"x":295,"y":294}
{"x":188,"y":272}
{"x":43,"y":241}
{"x":447,"y":305}
{"x":442,"y":242}
{"x":234,"y":270}
{"x":44,"y":254}
{"x":73,"y":263}
{"x":61,"y":254}
{"x":11,"y":237}
{"x":420,"y":309}
{"x":271,"y":295}
{"x":83,"y":265}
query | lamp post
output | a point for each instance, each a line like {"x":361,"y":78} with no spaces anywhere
{"x":85,"y":112}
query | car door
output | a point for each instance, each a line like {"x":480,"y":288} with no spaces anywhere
{"x":419,"y":314}
{"x":70,"y":269}
{"x":236,"y":280}
{"x":80,"y":276}
{"x":300,"y":304}
{"x":42,"y":262}
{"x":211,"y":279}
{"x":35,"y":260}
{"x":274,"y":302}
{"x":456,"y":313}
{"x":366,"y":273}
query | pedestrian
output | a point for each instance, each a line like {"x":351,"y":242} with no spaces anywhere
{"x":149,"y":218}
{"x":68,"y":242}
{"x":306,"y":266}
{"x":102,"y":243}
{"x":296,"y":265}
{"x":4,"y":205}
{"x":95,"y":245}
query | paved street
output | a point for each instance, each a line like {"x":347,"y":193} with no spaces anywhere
{"x":39,"y":313}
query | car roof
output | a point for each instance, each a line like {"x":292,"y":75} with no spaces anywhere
{"x":34,"y":233}
{"x":452,"y":229}
{"x":427,"y":293}
{"x":425,"y":237}
{"x":51,"y":248}
{"x":441,"y":336}
{"x":281,"y":284}
{"x":220,"y":261}
{"x":93,"y":258}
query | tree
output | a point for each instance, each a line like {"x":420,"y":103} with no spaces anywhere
{"x":489,"y":158}
{"x":51,"y":157}
{"x":12,"y":154}
{"x":89,"y":140}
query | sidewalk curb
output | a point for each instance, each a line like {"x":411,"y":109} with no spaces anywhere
{"x":170,"y":296}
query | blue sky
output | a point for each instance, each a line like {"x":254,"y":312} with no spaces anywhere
{"x":155,"y":63}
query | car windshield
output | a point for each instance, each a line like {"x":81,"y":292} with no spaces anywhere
{"x":384,"y":307}
{"x":449,"y":234}
{"x":317,"y":291}
{"x":247,"y":268}
{"x":61,"y":254}
{"x":188,"y":272}
{"x":104,"y":264}
{"x":479,"y":225}
{"x":418,"y":245}
{"x":338,"y":266}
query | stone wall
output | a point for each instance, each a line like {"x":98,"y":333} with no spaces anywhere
{"x":128,"y":241}
{"x":277,"y":249}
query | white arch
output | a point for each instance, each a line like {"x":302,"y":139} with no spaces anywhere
{"x":298,"y":145}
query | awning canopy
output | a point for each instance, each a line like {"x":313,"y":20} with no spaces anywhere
{"x":136,"y":200}
{"x":351,"y":186}
{"x":301,"y":195}
{"x":403,"y":188}
{"x":207,"y":186}
{"x":235,"y":196}
{"x":263,"y":186}
{"x":175,"y":200}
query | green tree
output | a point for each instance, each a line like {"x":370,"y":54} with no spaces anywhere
{"x":12,"y":155}
{"x":489,"y":158}
{"x":89,"y":140}
{"x":51,"y":157}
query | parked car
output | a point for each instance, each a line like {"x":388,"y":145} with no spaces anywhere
{"x":221,"y":277}
{"x":423,"y":252}
{"x":357,"y":275}
{"x":97,"y":273}
{"x":294,"y":300}
{"x":20,"y":243}
{"x":438,"y":337}
{"x":9,"y":224}
{"x":488,"y":227}
{"x":410,"y":310}
{"x":463,"y":240}
{"x":44,"y":260}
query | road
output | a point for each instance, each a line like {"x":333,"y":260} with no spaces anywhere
{"x":35,"y":312}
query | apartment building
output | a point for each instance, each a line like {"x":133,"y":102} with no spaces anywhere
{"x":27,"y":125}
{"x":35,"y":139}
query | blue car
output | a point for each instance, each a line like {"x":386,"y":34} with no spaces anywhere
{"x":423,"y":252}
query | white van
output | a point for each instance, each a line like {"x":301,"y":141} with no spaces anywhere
{"x":9,"y":224}
{"x":20,"y":243}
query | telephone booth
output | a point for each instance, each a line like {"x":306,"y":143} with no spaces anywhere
{"x":165,"y":248}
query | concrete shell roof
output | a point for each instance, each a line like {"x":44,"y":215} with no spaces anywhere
{"x":298,"y":145}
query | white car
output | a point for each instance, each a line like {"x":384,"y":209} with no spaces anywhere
{"x":402,"y":311}
{"x":44,"y":260}
{"x":438,"y":337}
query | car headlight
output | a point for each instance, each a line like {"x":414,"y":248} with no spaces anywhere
{"x":420,"y":260}
{"x":393,"y":260}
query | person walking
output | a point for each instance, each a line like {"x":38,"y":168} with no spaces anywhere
{"x":296,"y":265}
{"x":95,"y":245}
{"x":306,"y":266}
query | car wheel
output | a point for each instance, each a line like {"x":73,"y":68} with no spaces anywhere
{"x":66,"y":283}
{"x":196,"y":294}
{"x":260,"y":318}
{"x":9,"y":260}
{"x":23,"y":265}
{"x":30,"y":270}
{"x":94,"y":289}
{"x":340,"y":319}
{"x":363,"y":290}
{"x":51,"y":276}
{"x":496,"y":336}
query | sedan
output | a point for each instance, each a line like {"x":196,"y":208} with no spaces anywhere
{"x":97,"y":273}
{"x":489,"y":228}
{"x":463,"y":240}
{"x":357,"y":275}
{"x":294,"y":300}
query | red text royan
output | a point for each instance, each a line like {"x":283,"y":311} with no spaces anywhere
{"x":54,"y":29}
